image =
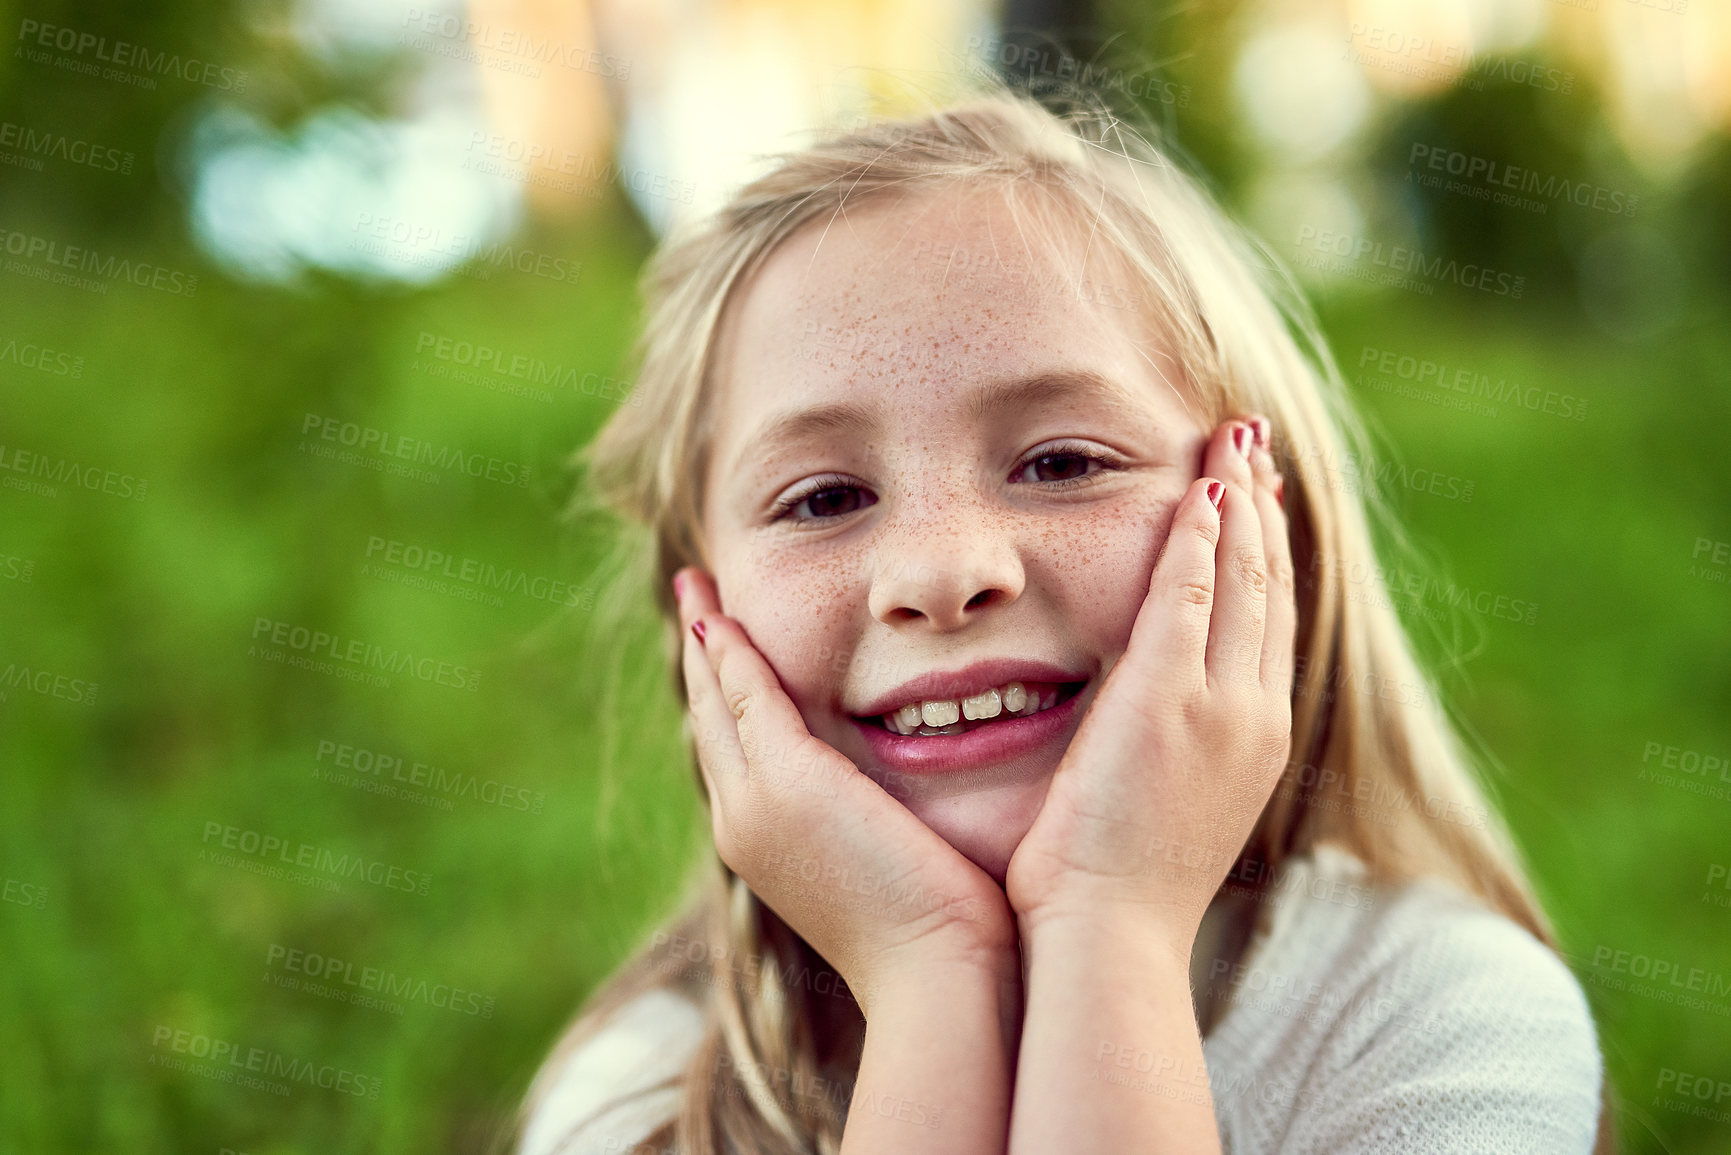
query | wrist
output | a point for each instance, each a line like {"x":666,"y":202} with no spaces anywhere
{"x":939,"y":972}
{"x":1145,"y":931}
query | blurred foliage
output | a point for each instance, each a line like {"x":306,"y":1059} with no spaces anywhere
{"x":105,"y":807}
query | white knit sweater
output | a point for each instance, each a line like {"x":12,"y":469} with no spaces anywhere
{"x":1362,"y":1020}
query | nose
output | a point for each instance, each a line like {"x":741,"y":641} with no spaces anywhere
{"x":945,"y":574}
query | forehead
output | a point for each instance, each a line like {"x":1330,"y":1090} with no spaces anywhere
{"x":926,"y":295}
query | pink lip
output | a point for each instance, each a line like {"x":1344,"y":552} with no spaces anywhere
{"x":995,"y":742}
{"x":965,"y":683}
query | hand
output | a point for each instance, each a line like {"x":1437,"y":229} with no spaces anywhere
{"x":850,"y":869}
{"x":1183,"y":745}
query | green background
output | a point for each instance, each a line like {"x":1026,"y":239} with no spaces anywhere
{"x":118,"y":924}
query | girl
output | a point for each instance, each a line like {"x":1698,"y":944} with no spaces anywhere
{"x":1071,"y":789}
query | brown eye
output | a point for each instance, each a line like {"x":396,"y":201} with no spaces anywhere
{"x":830,"y":501}
{"x":1059,"y":467}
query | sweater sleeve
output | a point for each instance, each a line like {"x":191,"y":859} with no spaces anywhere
{"x":1472,"y":1037}
{"x":604,"y":1098}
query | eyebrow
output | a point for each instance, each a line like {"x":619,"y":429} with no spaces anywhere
{"x":1055,"y":385}
{"x":851,"y":418}
{"x":790,"y":428}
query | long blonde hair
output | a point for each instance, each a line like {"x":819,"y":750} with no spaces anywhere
{"x":1366,"y":720}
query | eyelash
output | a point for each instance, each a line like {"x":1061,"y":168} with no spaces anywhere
{"x":1068,"y":449}
{"x":824,"y":484}
{"x":811,"y":489}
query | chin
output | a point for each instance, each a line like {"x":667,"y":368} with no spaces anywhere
{"x":985,"y":826}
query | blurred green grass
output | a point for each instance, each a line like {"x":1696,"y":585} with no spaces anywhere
{"x":106,"y":805}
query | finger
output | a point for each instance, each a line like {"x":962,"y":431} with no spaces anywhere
{"x":1227,"y":454}
{"x":1240,"y":600}
{"x":1281,"y":624}
{"x":694,"y":594}
{"x":743,"y":698}
{"x":720,"y":758}
{"x":1170,"y":637}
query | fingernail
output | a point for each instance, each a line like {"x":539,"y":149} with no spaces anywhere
{"x":1280,"y":490}
{"x":1259,"y":429}
{"x":679,"y":586}
{"x":1216,"y":491}
{"x":698,"y":631}
{"x":1241,"y":440}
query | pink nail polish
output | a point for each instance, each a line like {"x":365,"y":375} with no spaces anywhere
{"x":1241,"y":439}
{"x":679,"y":586}
{"x":1259,"y":429}
{"x":698,"y":631}
{"x":1216,"y":491}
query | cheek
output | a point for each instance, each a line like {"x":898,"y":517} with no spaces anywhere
{"x":797,"y":612}
{"x":1104,"y":572}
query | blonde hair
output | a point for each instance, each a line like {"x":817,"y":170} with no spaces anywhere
{"x":1365,"y":717}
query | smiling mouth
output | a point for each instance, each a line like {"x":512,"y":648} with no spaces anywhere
{"x":938,"y":717}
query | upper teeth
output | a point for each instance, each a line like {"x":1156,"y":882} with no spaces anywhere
{"x":988,"y":704}
{"x":940,"y":712}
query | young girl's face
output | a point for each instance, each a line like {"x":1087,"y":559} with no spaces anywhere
{"x":941,"y":469}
